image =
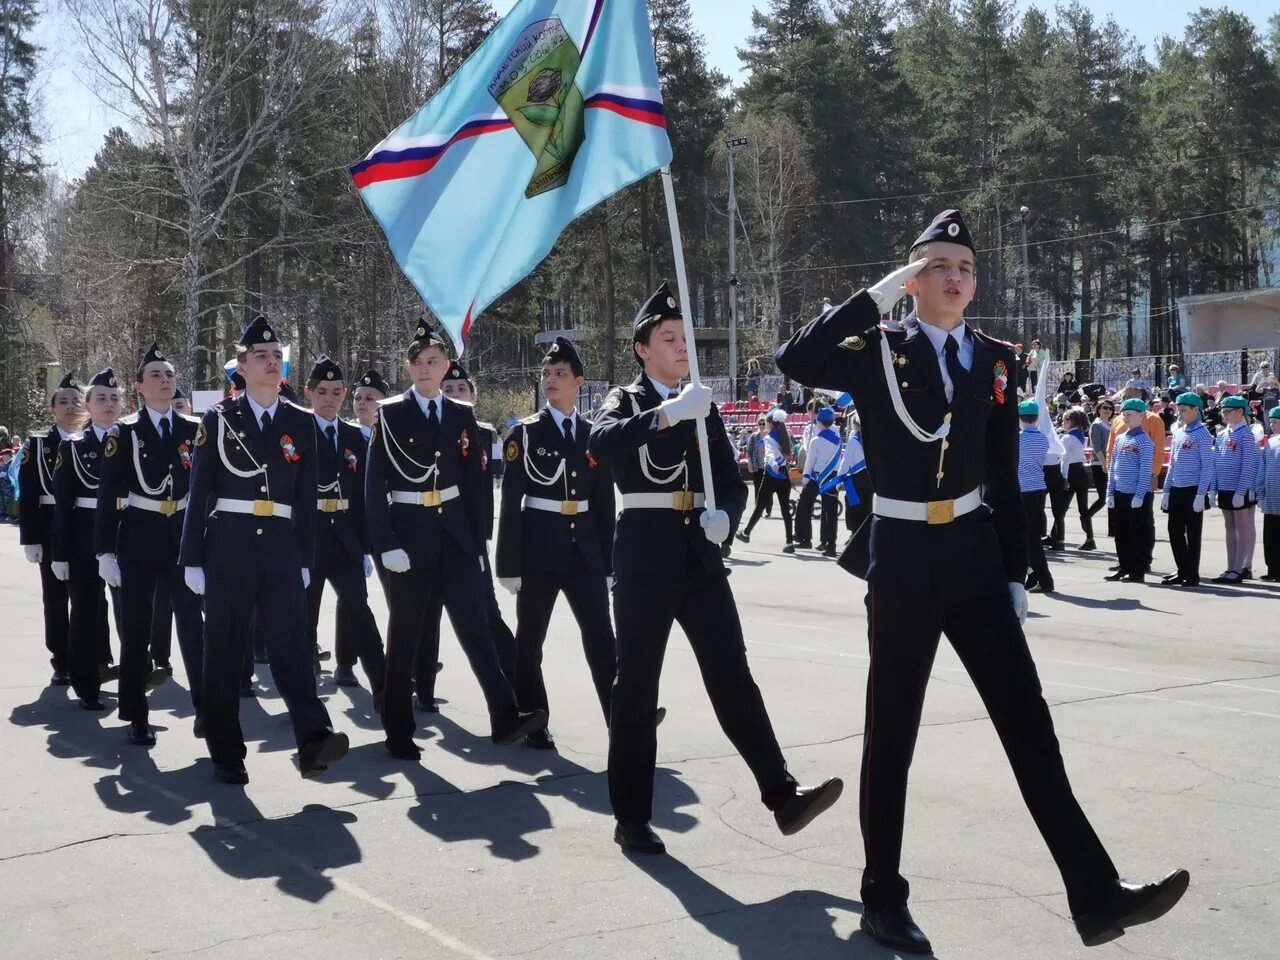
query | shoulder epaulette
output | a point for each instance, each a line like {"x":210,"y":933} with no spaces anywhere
{"x":993,"y":340}
{"x":634,"y":389}
{"x":190,"y":419}
{"x":530,"y":421}
{"x":131,"y":420}
{"x":386,"y":401}
{"x":485,"y":426}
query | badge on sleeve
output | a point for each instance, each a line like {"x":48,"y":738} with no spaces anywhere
{"x":201,"y":436}
{"x":612,"y":400}
{"x":513,"y":451}
{"x":110,"y":449}
{"x":853,"y":343}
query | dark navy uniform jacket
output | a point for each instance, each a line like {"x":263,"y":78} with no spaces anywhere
{"x":532,"y":541}
{"x":648,"y":542}
{"x":35,"y":480}
{"x":288,"y":451}
{"x":488,"y":437}
{"x":841,"y":351}
{"x":403,"y":449}
{"x":75,"y":476}
{"x":139,"y":462}
{"x":344,"y":465}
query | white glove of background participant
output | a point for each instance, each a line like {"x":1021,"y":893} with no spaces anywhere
{"x":61,"y":569}
{"x":109,"y":570}
{"x":890,"y":290}
{"x":715,"y":524}
{"x":194,"y":577}
{"x":368,"y":566}
{"x":396,"y":561}
{"x":1237,"y":501}
{"x":34,"y":552}
{"x":1018,"y":594}
{"x":1137,"y":503}
{"x":693,"y":403}
{"x":510,"y":583}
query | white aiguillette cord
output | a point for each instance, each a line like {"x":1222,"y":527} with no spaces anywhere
{"x":917,"y":431}
{"x":142,"y":480}
{"x":532,"y":470}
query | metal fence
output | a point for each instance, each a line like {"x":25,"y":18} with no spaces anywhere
{"x":1232,"y":366}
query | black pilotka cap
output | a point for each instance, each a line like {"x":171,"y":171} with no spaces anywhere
{"x":563,"y":351}
{"x":663,"y":305}
{"x":179,"y":393}
{"x":947,"y":227}
{"x":325,"y":369}
{"x":258,"y":332}
{"x":423,"y":337}
{"x":458,"y":372}
{"x":375,"y":380}
{"x":153,"y":355}
{"x":68,"y":382}
{"x":104,"y":378}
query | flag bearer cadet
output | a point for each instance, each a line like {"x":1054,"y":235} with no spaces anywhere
{"x":248,"y":543}
{"x":142,"y":500}
{"x":938,"y":403}
{"x":1190,"y":480}
{"x":667,"y":561}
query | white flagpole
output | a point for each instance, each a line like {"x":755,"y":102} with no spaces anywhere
{"x":682,"y":283}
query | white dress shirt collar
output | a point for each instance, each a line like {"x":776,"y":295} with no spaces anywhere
{"x":259,"y":410}
{"x":157,"y":417}
{"x":560,"y":418}
{"x":664,"y":391}
{"x":425,"y":404}
{"x":99,"y":432}
{"x":938,"y":337}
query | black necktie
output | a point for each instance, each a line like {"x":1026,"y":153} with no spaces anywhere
{"x":433,"y":418}
{"x":266,"y":421}
{"x":332,"y":433}
{"x":959,"y":376}
{"x":568,"y":430}
{"x":164,"y":428}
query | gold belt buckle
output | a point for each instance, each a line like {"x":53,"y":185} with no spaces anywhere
{"x":569,"y":508}
{"x":264,"y":508}
{"x":682,"y":500}
{"x":431,"y":498}
{"x":941,"y":511}
{"x":329,"y":505}
{"x":168,"y":508}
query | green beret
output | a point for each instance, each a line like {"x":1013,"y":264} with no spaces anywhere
{"x":1190,"y":399}
{"x":1028,"y":408}
{"x":1234,"y":403}
{"x":1133,"y":403}
{"x":1274,"y":414}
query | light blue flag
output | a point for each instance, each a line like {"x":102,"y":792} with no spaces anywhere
{"x":558,"y":109}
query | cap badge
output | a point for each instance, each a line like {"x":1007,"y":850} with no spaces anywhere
{"x":671,"y":302}
{"x":329,"y":375}
{"x":266,"y":334}
{"x":953,"y":230}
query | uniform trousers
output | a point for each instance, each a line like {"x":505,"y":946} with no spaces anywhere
{"x":1078,"y":486}
{"x":144,"y":573}
{"x":460,"y":582}
{"x":1185,"y":529}
{"x":356,"y":629}
{"x":809,"y":495}
{"x":55,"y":594}
{"x":645,"y":608}
{"x":778,"y":488}
{"x":1271,"y":543}
{"x":588,"y":595}
{"x":428,"y":655}
{"x":1033,"y":506}
{"x":89,"y":636}
{"x":1099,"y":478}
{"x":1133,"y":533}
{"x":247,"y":577}
{"x":918,"y":592}
{"x":162,"y":623}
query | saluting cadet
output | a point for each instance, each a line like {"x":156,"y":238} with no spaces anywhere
{"x":822,"y":458}
{"x":937,"y":401}
{"x":75,"y":495}
{"x":35,"y":518}
{"x":458,"y":386}
{"x":1191,"y":473}
{"x":1033,"y":447}
{"x":370,"y":391}
{"x":1268,"y":487}
{"x":424,"y":493}
{"x":343,"y":550}
{"x":248,"y":543}
{"x":1129,"y":493}
{"x":1237,"y":472}
{"x":555,"y":534}
{"x":142,"y":499}
{"x":668,"y":568}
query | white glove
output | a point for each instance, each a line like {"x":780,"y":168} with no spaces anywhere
{"x":1136,"y":503}
{"x":1164,"y":501}
{"x":194,"y":577}
{"x":510,"y":583}
{"x":61,"y":569}
{"x":1197,"y":505}
{"x":306,"y":579}
{"x":109,"y":570}
{"x":611,"y":580}
{"x":368,"y":565}
{"x":396,"y":561}
{"x":693,"y":403}
{"x":1018,"y":594}
{"x":715,"y":524}
{"x":1237,"y":501}
{"x":34,"y":552}
{"x":1111,"y":503}
{"x":890,"y":290}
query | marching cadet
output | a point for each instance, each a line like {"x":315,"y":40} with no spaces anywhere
{"x":937,"y":401}
{"x":1236,"y":472}
{"x":75,"y":495}
{"x":142,"y":496}
{"x":342,"y":533}
{"x":1191,"y":472}
{"x":555,"y":534}
{"x":822,"y":458}
{"x":35,"y":518}
{"x":1128,"y":486}
{"x":424,"y":492}
{"x":370,"y":391}
{"x":1268,"y":487}
{"x":668,"y":568}
{"x":248,"y":542}
{"x":458,"y":385}
{"x":1033,"y":447}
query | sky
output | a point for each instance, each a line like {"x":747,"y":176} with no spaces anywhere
{"x":75,"y":120}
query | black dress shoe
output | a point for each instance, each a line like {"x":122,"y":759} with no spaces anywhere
{"x":802,"y":809}
{"x":1127,"y":905}
{"x":659,"y":715}
{"x":1246,"y":574}
{"x":247,"y":690}
{"x":345,"y":677}
{"x":108,"y":671}
{"x":540,"y":740}
{"x":323,"y":656}
{"x":1176,"y":580}
{"x":638,"y":838}
{"x":893,"y":927}
{"x":141,"y":734}
{"x":515,"y":726}
{"x":804,"y":544}
{"x":425,"y":706}
{"x":237,"y":775}
{"x":157,"y":678}
{"x":789,"y":548}
{"x":1046,"y":587}
{"x":1229,"y":577}
{"x":830,"y":552}
{"x":166,"y":666}
{"x":1031,"y":583}
{"x":92,"y":702}
{"x":1190,"y":582}
{"x":1269,"y":578}
{"x":404,"y":751}
{"x":316,"y":756}
{"x":1115,"y":577}
{"x":1134,"y":578}
{"x":60,"y":678}
{"x":744,"y":537}
{"x":1089,"y":545}
{"x":197,"y":727}
{"x":1115,"y":568}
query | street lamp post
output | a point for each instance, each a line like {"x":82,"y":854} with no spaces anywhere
{"x":1025,"y":292}
{"x":732,"y":147}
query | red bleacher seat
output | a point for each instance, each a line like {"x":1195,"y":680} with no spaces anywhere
{"x":729,"y":407}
